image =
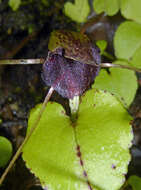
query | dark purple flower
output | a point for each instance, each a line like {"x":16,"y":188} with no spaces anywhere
{"x":69,"y":77}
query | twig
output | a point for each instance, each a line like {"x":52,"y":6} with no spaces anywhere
{"x":21,"y":61}
{"x":91,"y":22}
{"x":108,"y":65}
{"x":28,"y":135}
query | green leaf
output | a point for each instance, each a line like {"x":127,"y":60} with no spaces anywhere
{"x":51,"y":150}
{"x":120,"y":82}
{"x":104,"y":135}
{"x":111,"y":7}
{"x":77,"y":11}
{"x":99,"y":141}
{"x":14,"y":4}
{"x":135,"y":182}
{"x":102,"y":44}
{"x":136,"y":59}
{"x":130,"y":9}
{"x":5,"y":151}
{"x":127,"y":42}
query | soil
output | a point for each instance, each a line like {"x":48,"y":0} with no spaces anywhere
{"x":24,"y":34}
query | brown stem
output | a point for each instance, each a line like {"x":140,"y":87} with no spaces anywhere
{"x":91,"y":22}
{"x":28,"y":135}
{"x":108,"y":65}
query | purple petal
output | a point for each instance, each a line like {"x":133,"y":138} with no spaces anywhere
{"x":68,"y":77}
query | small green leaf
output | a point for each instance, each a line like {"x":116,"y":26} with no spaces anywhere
{"x":111,"y":7}
{"x":99,"y":141}
{"x":102,"y":44}
{"x":5,"y":151}
{"x":131,"y":9}
{"x":120,"y":82}
{"x":14,"y":4}
{"x":127,"y":42}
{"x":77,"y":11}
{"x":135,"y":182}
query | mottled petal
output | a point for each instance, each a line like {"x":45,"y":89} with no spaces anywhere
{"x":68,"y":77}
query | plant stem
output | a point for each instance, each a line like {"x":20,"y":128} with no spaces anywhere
{"x":108,"y":65}
{"x":21,"y":61}
{"x":109,"y":56}
{"x":74,"y":106}
{"x":28,"y":136}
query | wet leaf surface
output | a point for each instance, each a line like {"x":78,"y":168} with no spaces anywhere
{"x":83,"y":155}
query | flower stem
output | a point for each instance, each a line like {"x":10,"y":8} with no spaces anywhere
{"x":28,"y":136}
{"x":74,"y":106}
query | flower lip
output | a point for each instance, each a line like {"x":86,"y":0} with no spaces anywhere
{"x":72,"y":63}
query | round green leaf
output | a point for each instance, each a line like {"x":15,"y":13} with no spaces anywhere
{"x":104,"y":135}
{"x":120,"y":82}
{"x":5,"y":151}
{"x":111,"y":7}
{"x":92,"y":153}
{"x":14,"y":4}
{"x":135,"y":182}
{"x":127,"y":40}
{"x":77,"y":11}
{"x":131,"y":9}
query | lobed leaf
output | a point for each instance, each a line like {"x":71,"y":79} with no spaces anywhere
{"x":51,"y":151}
{"x":120,"y":82}
{"x":111,"y":7}
{"x":104,"y":134}
{"x":93,"y":153}
{"x":78,"y":11}
{"x":14,"y":4}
